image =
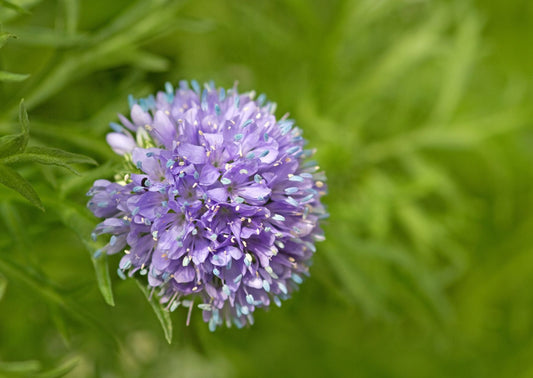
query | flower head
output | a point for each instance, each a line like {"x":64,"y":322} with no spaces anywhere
{"x":219,"y":204}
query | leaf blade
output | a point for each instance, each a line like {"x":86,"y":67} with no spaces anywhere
{"x":12,"y":77}
{"x":162,"y":315}
{"x":13,"y":180}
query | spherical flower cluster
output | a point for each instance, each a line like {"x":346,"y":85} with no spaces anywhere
{"x":219,"y":203}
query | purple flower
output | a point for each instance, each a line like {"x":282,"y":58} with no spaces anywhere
{"x":220,"y":204}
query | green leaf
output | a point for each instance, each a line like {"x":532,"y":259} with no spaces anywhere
{"x":101,"y":268}
{"x":74,"y":217}
{"x":10,"y":76}
{"x":4,"y":37}
{"x":60,"y":371}
{"x":74,"y":184}
{"x":15,"y":7}
{"x":20,"y":367}
{"x":162,"y":315}
{"x":65,"y":156}
{"x":24,"y":120}
{"x":49,"y":156}
{"x":3,"y":285}
{"x":14,"y":144}
{"x":60,"y":322}
{"x":50,"y":295}
{"x":11,"y":144}
{"x":48,"y":37}
{"x":13,"y":180}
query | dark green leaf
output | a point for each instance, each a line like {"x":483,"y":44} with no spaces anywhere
{"x":11,"y":144}
{"x":162,"y":315}
{"x":13,"y":180}
{"x":10,"y":76}
{"x":50,"y":295}
{"x":14,"y":144}
{"x":75,"y":217}
{"x":67,"y":157}
{"x":49,"y":156}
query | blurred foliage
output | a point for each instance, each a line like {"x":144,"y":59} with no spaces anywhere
{"x":421,"y":115}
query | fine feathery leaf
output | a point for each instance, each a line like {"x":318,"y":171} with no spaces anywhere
{"x":162,"y":315}
{"x":13,"y":180}
{"x":11,"y":76}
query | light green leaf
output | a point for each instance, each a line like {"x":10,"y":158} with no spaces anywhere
{"x":61,"y":370}
{"x":12,"y":5}
{"x":3,"y":285}
{"x":101,"y":268}
{"x":60,"y":322}
{"x":4,"y":37}
{"x":10,"y":76}
{"x":162,"y":315}
{"x":24,"y":120}
{"x":47,"y":37}
{"x":20,"y":367}
{"x":13,"y":180}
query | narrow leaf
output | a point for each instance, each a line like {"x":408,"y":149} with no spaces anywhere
{"x":10,"y":76}
{"x":60,"y":371}
{"x":72,"y":216}
{"x":20,"y":367}
{"x":11,"y":144}
{"x":49,"y":294}
{"x":67,"y":157}
{"x":3,"y":285}
{"x":59,"y":321}
{"x":14,"y":181}
{"x":101,"y":268}
{"x":24,"y":121}
{"x":9,"y":4}
{"x":49,"y":156}
{"x":162,"y":315}
{"x":15,"y":144}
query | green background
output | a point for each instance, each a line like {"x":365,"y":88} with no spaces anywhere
{"x":421,"y":113}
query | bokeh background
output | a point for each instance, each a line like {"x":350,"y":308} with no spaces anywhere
{"x":421,"y":113}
